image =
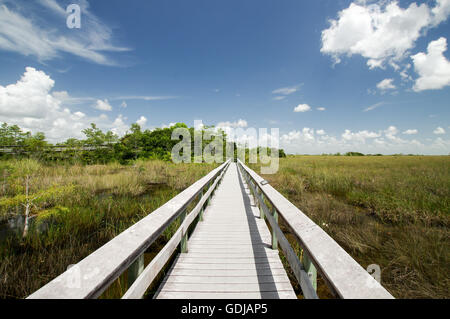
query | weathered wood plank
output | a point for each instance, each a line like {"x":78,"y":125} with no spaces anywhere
{"x":227,"y":272}
{"x":234,"y":295}
{"x":229,"y":260}
{"x":229,"y":231}
{"x":201,"y":236}
{"x":236,"y":266}
{"x":226,"y":287}
{"x":228,"y":279}
{"x":228,"y":241}
{"x":233,"y":255}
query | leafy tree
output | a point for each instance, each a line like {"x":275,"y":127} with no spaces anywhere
{"x":11,"y":135}
{"x":21,"y":143}
{"x":36,"y":145}
{"x":96,"y":137}
{"x":354,"y":154}
{"x":98,"y":146}
{"x":103,"y":147}
{"x":32,"y":201}
{"x":130,"y":146}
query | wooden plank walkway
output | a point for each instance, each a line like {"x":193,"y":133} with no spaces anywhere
{"x":229,"y":253}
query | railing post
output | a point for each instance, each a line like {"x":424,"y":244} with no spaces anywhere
{"x":135,"y":270}
{"x":310,"y":270}
{"x":261,"y":198}
{"x":184,"y":238}
{"x":210,"y":195}
{"x":202,"y":209}
{"x":274,"y":235}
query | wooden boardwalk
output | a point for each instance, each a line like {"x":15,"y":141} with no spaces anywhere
{"x":229,"y":253}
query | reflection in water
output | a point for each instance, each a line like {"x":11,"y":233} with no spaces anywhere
{"x":11,"y":227}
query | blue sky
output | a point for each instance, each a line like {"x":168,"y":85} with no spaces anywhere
{"x":378,"y":70}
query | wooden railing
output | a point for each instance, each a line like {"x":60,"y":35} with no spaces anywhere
{"x":94,"y":274}
{"x":343,"y":275}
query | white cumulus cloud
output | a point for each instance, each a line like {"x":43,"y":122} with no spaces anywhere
{"x":142,"y":121}
{"x":411,"y":132}
{"x":320,"y":132}
{"x":308,"y":141}
{"x":118,"y":126}
{"x":380,"y":32}
{"x":103,"y":105}
{"x":31,"y":104}
{"x":441,"y":11}
{"x":360,"y":136}
{"x":391,"y":133}
{"x":433,"y":67}
{"x":386,"y":84}
{"x":302,"y":108}
{"x":439,"y":131}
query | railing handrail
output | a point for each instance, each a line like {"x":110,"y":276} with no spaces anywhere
{"x":342,"y":273}
{"x":94,"y":274}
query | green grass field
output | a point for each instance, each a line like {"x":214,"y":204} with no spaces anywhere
{"x":393,"y":211}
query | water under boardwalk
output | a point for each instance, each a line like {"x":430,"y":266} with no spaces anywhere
{"x":229,"y":253}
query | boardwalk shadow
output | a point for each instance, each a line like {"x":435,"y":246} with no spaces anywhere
{"x":266,"y":280}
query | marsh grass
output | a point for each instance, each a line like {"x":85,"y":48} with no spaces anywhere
{"x":392,"y":211}
{"x":105,"y":200}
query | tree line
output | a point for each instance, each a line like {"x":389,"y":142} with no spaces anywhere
{"x":101,"y":147}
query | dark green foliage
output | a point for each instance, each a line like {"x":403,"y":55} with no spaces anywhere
{"x":16,"y":141}
{"x":354,"y":154}
{"x":104,"y":147}
{"x":100,"y":146}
